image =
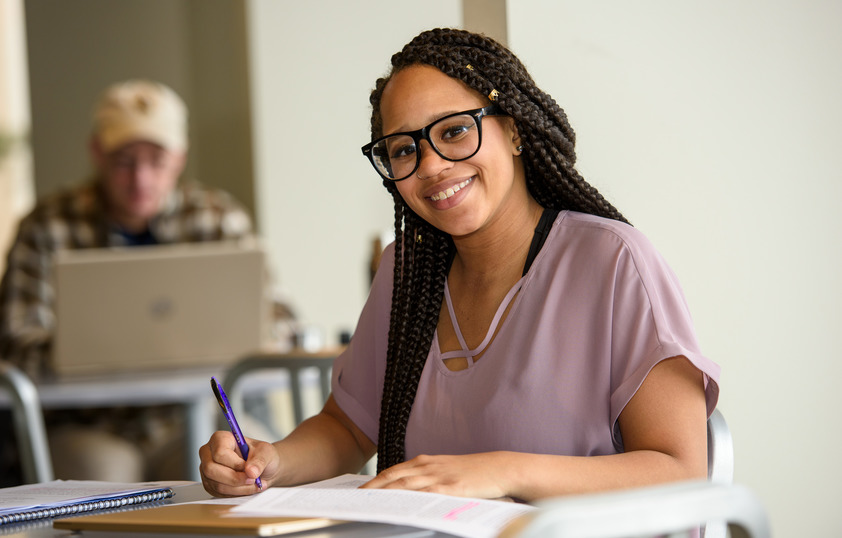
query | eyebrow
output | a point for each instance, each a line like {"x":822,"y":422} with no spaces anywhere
{"x":435,"y":118}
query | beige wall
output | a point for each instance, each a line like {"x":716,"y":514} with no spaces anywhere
{"x":714,"y":126}
{"x":16,"y":188}
{"x":487,"y":17}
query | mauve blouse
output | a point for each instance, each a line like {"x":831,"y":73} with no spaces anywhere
{"x":597,"y":310}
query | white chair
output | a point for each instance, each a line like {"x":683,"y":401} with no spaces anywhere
{"x":720,"y":450}
{"x":295,"y":363}
{"x":28,"y":421}
{"x":671,"y":509}
{"x":720,"y":464}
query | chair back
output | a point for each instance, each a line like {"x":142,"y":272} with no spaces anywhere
{"x":720,"y":464}
{"x":720,"y":450}
{"x":671,"y":509}
{"x":295,"y":363}
{"x":28,"y":418}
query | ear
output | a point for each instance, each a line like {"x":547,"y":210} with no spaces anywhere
{"x":516,"y":140}
{"x":181,"y":162}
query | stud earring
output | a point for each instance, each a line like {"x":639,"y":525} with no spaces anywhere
{"x":520,"y":147}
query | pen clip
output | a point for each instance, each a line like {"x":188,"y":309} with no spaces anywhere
{"x":221,"y":399}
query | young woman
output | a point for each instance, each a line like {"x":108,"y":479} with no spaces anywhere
{"x":520,"y":339}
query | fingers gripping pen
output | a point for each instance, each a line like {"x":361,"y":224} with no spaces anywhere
{"x":232,"y":423}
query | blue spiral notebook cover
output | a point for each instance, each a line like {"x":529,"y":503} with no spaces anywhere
{"x":67,"y":497}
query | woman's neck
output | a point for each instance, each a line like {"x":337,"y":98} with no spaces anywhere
{"x":499,"y":251}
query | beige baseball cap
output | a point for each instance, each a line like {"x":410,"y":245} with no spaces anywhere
{"x":140,"y":111}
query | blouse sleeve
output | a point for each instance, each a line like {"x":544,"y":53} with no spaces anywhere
{"x":651,"y":323}
{"x":358,"y":373}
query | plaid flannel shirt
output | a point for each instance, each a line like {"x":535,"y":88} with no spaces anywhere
{"x":75,"y":219}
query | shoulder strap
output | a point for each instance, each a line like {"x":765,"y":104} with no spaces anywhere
{"x":541,"y":232}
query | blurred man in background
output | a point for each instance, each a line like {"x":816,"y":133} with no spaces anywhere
{"x":139,"y":149}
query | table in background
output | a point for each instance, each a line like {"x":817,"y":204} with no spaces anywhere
{"x":188,"y":387}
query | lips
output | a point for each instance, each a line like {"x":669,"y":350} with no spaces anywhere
{"x":447,"y":193}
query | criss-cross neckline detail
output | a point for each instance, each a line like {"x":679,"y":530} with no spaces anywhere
{"x":542,"y":231}
{"x":467,"y":353}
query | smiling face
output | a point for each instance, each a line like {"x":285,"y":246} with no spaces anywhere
{"x":459,"y":198}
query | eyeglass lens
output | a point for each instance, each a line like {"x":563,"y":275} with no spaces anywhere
{"x":454,"y":138}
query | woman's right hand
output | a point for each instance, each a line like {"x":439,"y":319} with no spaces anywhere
{"x":323,"y":446}
{"x":225,"y":474}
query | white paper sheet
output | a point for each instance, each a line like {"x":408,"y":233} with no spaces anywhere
{"x":340,"y":498}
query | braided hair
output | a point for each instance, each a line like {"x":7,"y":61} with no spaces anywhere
{"x":423,"y":253}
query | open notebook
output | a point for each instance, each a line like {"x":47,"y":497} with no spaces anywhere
{"x":158,"y":307}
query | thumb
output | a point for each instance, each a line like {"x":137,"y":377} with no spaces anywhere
{"x":261,"y":456}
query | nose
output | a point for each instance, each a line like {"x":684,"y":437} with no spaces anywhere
{"x":430,"y":163}
{"x":142,"y":171}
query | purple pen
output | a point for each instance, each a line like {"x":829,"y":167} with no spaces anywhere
{"x":232,"y":422}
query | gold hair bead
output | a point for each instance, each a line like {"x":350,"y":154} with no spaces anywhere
{"x":494,"y":93}
{"x":419,"y":239}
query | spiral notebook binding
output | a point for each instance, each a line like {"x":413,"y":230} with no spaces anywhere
{"x":86,"y":506}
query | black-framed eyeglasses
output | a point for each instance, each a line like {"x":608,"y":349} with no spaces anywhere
{"x":455,"y":137}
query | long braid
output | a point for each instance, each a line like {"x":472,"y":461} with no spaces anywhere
{"x":422,"y":258}
{"x":423,"y":254}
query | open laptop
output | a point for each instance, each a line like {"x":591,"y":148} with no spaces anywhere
{"x":159,"y":307}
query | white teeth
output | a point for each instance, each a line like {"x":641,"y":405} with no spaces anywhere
{"x":443,"y":195}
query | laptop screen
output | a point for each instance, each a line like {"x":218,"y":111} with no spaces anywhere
{"x":158,"y":307}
